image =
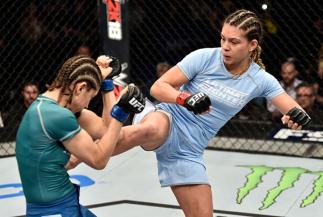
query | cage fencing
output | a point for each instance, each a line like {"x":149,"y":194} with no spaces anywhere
{"x":36,"y":37}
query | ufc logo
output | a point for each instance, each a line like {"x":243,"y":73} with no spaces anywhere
{"x":136,"y":104}
{"x":193,"y":99}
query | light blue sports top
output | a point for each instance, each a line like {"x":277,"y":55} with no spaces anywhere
{"x":206,"y":73}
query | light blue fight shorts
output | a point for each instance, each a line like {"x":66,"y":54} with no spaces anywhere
{"x":176,"y":166}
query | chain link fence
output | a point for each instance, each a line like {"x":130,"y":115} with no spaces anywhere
{"x":37,"y":36}
{"x":166,"y":31}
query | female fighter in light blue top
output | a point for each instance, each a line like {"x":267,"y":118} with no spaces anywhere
{"x":199,"y":95}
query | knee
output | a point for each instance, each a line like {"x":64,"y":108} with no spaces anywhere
{"x":152,"y":131}
{"x":156,"y":131}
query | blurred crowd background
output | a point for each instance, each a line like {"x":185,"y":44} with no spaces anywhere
{"x":37,"y":36}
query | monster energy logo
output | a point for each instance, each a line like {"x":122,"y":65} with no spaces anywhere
{"x":289,"y":176}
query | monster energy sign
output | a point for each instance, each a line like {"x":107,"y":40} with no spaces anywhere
{"x":289,"y":176}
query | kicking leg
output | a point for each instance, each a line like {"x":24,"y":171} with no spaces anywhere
{"x":195,"y":200}
{"x":150,"y":133}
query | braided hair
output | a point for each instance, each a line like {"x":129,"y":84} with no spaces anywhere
{"x":76,"y":69}
{"x":250,"y":23}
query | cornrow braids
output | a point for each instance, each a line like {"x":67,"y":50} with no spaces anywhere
{"x":77,"y":69}
{"x":255,"y":56}
{"x":250,"y":23}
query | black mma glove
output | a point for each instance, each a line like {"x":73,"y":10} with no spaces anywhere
{"x":299,"y":116}
{"x":107,"y":83}
{"x":116,"y":67}
{"x":197,"y":103}
{"x":132,"y":101}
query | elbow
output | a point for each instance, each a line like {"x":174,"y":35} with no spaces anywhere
{"x":99,"y":167}
{"x":100,"y":164}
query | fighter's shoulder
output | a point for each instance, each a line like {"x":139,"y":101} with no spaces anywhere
{"x":260,"y":73}
{"x":55,"y":114}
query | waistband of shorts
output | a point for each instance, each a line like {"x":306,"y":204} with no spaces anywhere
{"x":65,"y":200}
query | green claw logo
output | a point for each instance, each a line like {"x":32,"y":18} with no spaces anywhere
{"x":290,"y":175}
